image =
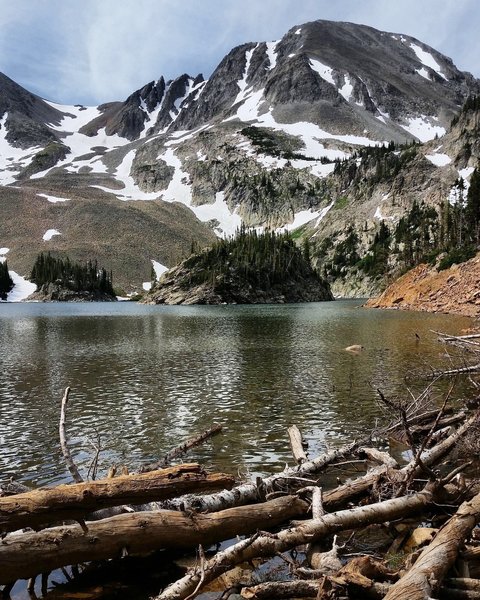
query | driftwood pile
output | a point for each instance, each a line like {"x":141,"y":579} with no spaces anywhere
{"x":429,"y":506}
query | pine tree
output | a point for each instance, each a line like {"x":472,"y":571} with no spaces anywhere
{"x":6,"y":282}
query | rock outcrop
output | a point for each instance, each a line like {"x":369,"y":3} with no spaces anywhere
{"x":454,"y":290}
{"x":51,"y":292}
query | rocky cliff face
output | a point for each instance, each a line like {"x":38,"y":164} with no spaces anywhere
{"x":424,"y":288}
{"x":271,"y":139}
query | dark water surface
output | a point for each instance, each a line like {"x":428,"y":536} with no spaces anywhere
{"x":144,"y":378}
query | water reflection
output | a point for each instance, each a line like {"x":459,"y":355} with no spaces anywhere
{"x":143,"y":378}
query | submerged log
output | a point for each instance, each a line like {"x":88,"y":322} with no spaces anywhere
{"x":183,"y":448}
{"x":24,"y":555}
{"x":73,"y":502}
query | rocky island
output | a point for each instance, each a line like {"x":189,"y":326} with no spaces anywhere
{"x":248,"y":269}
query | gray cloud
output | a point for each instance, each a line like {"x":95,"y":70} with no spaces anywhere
{"x":102,"y":50}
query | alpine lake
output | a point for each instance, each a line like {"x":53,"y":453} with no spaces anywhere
{"x":145,"y":378}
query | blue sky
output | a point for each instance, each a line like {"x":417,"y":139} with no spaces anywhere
{"x":93,"y":51}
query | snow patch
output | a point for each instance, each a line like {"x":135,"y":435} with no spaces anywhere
{"x":299,"y":31}
{"x":4,"y":251}
{"x":53,"y":199}
{"x":423,"y":129}
{"x":147,"y":285}
{"x":439,"y":160}
{"x":272,"y":54}
{"x":324,"y":212}
{"x":324,"y":71}
{"x":159,"y":269}
{"x":300,"y":218}
{"x":465,"y":173}
{"x":228,"y":222}
{"x":48,"y":235}
{"x":242,"y":83}
{"x":179,"y":190}
{"x":347,"y":89}
{"x":427,"y":59}
{"x":21,"y":288}
{"x":423,"y":73}
{"x":378,"y":215}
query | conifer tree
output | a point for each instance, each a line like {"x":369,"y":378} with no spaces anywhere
{"x":6,"y":282}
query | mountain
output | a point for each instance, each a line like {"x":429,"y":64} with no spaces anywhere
{"x":282,"y":135}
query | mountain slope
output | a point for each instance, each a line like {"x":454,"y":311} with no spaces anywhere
{"x":259,"y":143}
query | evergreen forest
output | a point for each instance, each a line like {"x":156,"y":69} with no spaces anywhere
{"x":422,"y":234}
{"x":72,"y":276}
{"x":260,"y":259}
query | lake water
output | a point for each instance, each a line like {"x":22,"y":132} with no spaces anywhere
{"x":143,"y":378}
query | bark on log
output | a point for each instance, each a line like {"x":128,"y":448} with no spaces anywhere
{"x":23,"y":555}
{"x":425,"y":577}
{"x":296,"y":443}
{"x":310,"y":531}
{"x":282,"y":589}
{"x":75,"y":501}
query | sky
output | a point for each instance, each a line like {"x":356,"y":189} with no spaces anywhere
{"x":95,"y":51}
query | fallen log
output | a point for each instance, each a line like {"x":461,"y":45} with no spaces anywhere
{"x":182,"y":449}
{"x":296,"y":443}
{"x":75,"y":501}
{"x":264,"y":545}
{"x":248,"y":493}
{"x":313,"y":589}
{"x":423,"y":580}
{"x":24,"y":555}
{"x":282,"y":589}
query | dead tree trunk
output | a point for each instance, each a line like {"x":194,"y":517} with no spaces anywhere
{"x":73,"y":502}
{"x":425,"y":577}
{"x":313,"y":530}
{"x":24,"y":555}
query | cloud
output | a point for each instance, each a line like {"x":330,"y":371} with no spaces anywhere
{"x":101,"y":50}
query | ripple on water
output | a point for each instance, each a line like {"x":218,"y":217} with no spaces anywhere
{"x":144,"y":378}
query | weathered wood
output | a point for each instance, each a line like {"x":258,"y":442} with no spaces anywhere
{"x":382,"y":458}
{"x":182,"y":449}
{"x":425,"y":577}
{"x":254,"y":492}
{"x":23,"y":555}
{"x":75,"y":501}
{"x":72,"y":467}
{"x":282,"y":589}
{"x":310,"y":531}
{"x":296,"y":443}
